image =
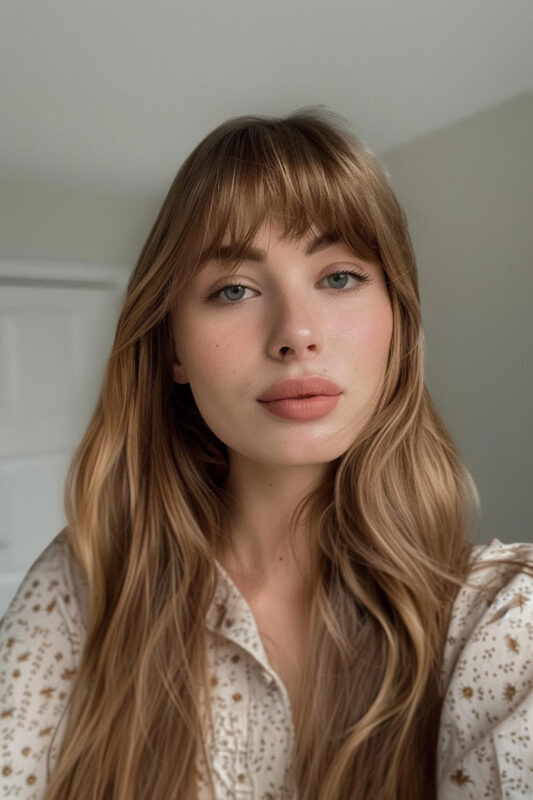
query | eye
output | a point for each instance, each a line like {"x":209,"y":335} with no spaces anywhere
{"x":346,"y":280}
{"x":230,"y":294}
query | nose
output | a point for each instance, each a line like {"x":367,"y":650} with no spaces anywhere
{"x":294,"y":328}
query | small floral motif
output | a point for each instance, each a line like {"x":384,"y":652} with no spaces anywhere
{"x":509,"y":691}
{"x":460,"y":777}
{"x":468,"y":692}
{"x":520,"y":600}
{"x":68,"y":674}
{"x":512,"y":644}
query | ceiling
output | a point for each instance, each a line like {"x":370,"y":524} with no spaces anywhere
{"x":113,"y":95}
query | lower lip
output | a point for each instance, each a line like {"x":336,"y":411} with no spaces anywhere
{"x":302,"y":408}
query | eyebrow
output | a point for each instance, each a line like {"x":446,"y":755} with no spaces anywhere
{"x":227,"y":253}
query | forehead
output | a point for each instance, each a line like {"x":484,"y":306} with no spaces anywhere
{"x":258,"y":250}
{"x":229,"y":254}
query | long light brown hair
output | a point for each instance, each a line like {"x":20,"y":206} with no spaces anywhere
{"x":146,"y":506}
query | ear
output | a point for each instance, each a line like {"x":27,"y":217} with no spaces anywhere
{"x":179,"y":373}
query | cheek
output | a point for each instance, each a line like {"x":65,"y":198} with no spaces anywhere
{"x":368,"y":338}
{"x":209,"y":358}
{"x":378,"y":336}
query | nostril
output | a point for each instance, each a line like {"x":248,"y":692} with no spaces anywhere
{"x":287,"y":349}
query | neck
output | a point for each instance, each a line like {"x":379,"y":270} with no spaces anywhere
{"x":261,"y":543}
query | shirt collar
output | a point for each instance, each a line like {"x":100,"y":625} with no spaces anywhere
{"x":230,"y":616}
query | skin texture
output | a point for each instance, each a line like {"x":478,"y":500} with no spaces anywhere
{"x":290,"y":321}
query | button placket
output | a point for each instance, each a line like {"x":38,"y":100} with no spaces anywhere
{"x":245,"y":688}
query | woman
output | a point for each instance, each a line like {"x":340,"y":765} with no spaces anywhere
{"x":265,"y":588}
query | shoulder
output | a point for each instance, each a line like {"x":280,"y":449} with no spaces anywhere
{"x":41,"y":639}
{"x":485,"y":737}
{"x":492,"y":589}
{"x":52,"y":590}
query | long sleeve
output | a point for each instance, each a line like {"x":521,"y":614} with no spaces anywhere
{"x":41,"y":638}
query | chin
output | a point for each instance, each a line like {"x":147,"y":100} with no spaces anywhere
{"x":303,"y":458}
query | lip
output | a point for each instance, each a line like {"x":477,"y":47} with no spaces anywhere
{"x":306,"y":398}
{"x":303,"y":408}
{"x":304,"y":387}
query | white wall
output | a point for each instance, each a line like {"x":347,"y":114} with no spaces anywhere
{"x":51,"y":221}
{"x":468,"y":193}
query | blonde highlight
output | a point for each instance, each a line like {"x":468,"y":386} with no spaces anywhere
{"x":146,"y":505}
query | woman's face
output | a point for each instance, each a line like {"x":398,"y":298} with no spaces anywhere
{"x":293,"y":310}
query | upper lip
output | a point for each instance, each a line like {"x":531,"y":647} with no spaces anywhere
{"x":300,"y":387}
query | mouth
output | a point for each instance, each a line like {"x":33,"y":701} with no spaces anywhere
{"x":303,"y":388}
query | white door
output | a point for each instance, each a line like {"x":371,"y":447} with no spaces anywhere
{"x":57,"y":324}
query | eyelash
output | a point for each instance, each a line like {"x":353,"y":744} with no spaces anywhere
{"x":361,"y":278}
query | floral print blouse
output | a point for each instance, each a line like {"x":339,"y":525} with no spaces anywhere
{"x":485,"y":746}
